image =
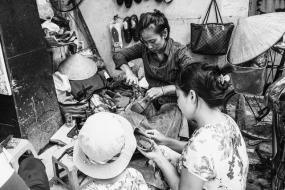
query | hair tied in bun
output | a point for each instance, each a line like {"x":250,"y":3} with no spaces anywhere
{"x":223,"y":81}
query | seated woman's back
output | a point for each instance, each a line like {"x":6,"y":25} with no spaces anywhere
{"x":216,"y":153}
{"x":128,"y":180}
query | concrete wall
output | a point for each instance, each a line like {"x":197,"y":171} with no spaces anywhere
{"x":99,"y":13}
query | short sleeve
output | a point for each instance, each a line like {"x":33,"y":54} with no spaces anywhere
{"x":197,"y":157}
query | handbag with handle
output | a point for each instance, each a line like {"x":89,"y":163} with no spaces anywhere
{"x":211,"y":38}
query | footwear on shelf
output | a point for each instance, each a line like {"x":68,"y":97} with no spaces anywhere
{"x":134,"y":27}
{"x":115,"y":29}
{"x":128,"y":3}
{"x":127,"y":29}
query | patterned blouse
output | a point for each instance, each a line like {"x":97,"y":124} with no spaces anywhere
{"x":132,"y":180}
{"x":216,"y":153}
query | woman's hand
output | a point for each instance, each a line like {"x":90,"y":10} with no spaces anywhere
{"x":154,"y":92}
{"x":131,"y":78}
{"x":154,"y":155}
{"x":156,"y":136}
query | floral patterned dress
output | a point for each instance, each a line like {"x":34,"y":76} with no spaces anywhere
{"x":131,"y":180}
{"x":216,"y":153}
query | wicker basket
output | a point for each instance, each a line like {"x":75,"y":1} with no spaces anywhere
{"x":249,"y":80}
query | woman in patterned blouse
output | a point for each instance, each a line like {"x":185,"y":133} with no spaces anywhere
{"x":215,"y":156}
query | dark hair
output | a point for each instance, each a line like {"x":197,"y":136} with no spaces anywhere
{"x":204,"y":79}
{"x":156,"y":18}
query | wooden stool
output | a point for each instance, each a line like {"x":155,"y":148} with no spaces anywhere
{"x":64,"y":165}
{"x":19,"y":147}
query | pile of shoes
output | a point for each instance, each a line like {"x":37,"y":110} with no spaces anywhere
{"x":58,"y":32}
{"x":123,"y":29}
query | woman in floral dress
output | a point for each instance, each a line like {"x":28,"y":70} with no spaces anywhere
{"x":215,"y":156}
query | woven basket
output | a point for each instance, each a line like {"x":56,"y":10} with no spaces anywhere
{"x":249,"y":80}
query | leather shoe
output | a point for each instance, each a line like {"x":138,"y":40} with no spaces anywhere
{"x":138,"y":1}
{"x":128,"y":3}
{"x":134,"y":27}
{"x":127,"y":29}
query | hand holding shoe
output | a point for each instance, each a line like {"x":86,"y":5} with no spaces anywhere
{"x":154,"y":155}
{"x":156,"y":136}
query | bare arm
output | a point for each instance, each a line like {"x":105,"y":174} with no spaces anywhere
{"x":159,"y":138}
{"x":175,"y":145}
{"x":169,"y":89}
{"x":185,"y":181}
{"x":188,"y":181}
{"x":122,"y":57}
{"x":169,"y":172}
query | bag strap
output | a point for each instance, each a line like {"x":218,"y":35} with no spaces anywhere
{"x":217,"y":12}
{"x":205,"y":20}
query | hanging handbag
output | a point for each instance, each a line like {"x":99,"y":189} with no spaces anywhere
{"x":211,"y":38}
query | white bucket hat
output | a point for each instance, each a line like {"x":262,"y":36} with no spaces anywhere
{"x":105,"y":146}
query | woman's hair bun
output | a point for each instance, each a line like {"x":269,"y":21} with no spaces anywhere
{"x":209,"y":81}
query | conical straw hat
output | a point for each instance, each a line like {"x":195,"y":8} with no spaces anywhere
{"x":78,"y":67}
{"x":254,"y":35}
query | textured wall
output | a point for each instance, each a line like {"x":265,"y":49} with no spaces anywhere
{"x":98,"y":13}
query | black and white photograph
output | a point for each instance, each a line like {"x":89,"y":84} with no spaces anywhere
{"x":142,"y":95}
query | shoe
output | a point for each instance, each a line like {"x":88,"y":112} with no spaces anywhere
{"x":134,"y":28}
{"x":115,"y":28}
{"x":138,"y":1}
{"x":127,"y":29}
{"x":168,"y":1}
{"x":120,"y":2}
{"x":128,"y":3}
{"x":159,"y":1}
